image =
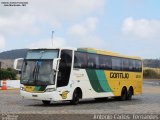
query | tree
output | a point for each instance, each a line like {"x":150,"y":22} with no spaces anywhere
{"x":8,"y":73}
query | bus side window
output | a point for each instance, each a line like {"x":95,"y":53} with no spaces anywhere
{"x":108,"y":60}
{"x":134,"y":65}
{"x":80,"y":60}
{"x":131,"y":65}
{"x":90,"y":64}
{"x":116,"y":63}
{"x":93,"y":61}
{"x":102,"y":63}
{"x":138,"y":66}
{"x":125,"y":64}
{"x":105,"y":62}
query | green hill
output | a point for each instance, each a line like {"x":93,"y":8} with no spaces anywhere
{"x":12,"y":54}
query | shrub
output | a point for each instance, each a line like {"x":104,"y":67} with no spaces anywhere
{"x":149,"y":73}
{"x":8,"y":73}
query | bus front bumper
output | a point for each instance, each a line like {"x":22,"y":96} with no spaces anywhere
{"x":50,"y":96}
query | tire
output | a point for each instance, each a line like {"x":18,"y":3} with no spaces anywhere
{"x":130,"y":93}
{"x":123,"y":96}
{"x":46,"y":102}
{"x":75,"y":98}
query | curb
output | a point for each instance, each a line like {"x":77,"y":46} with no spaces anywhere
{"x":152,"y":83}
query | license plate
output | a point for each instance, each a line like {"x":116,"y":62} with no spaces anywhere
{"x":34,"y":95}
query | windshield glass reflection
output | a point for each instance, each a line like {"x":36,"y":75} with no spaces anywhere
{"x":37,"y":72}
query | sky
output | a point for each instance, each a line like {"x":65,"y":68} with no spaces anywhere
{"x":130,"y":27}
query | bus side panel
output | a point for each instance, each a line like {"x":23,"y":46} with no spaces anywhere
{"x":81,"y":78}
{"x":118,"y":79}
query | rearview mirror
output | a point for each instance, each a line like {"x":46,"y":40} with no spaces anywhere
{"x":55,"y":63}
{"x":16,"y":64}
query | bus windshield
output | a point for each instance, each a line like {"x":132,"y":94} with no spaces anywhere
{"x":37,"y":68}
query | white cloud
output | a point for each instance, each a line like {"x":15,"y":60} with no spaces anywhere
{"x":66,"y":9}
{"x":57,"y":42}
{"x":82,"y":34}
{"x":57,"y":9}
{"x":18,"y":24}
{"x":2,"y":42}
{"x":83,"y":28}
{"x":92,"y":42}
{"x":40,"y":15}
{"x":142,"y":28}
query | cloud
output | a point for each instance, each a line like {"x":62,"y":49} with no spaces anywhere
{"x":18,"y":24}
{"x":91,"y":41}
{"x":57,"y":42}
{"x":39,"y":16}
{"x":83,"y":28}
{"x":65,"y":9}
{"x":2,"y":42}
{"x":142,"y":28}
{"x":83,"y":34}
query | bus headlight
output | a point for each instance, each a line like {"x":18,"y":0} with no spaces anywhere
{"x":50,"y":89}
{"x":22,"y":88}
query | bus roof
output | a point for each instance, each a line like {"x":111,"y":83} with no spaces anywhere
{"x":104,"y":52}
{"x":94,"y":50}
{"x":59,"y":48}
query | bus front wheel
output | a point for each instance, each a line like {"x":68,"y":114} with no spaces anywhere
{"x":75,"y":98}
{"x":46,"y":102}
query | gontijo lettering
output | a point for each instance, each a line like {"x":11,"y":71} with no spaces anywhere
{"x":119,"y":75}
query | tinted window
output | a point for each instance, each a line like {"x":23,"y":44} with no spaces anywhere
{"x":93,"y":61}
{"x":42,"y":54}
{"x":116,"y":63}
{"x":80,"y":60}
{"x":131,"y":66}
{"x":125,"y":64}
{"x":138,"y":65}
{"x":105,"y":62}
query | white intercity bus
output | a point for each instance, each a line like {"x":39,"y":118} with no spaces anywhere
{"x":80,"y":73}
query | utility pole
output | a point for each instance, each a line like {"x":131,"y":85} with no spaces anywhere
{"x":52,"y":37}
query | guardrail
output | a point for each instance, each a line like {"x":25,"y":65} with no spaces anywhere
{"x":11,"y":84}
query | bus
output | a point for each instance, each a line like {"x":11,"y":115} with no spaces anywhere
{"x":71,"y":74}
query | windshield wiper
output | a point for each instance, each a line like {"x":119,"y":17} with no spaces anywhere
{"x":36,"y":72}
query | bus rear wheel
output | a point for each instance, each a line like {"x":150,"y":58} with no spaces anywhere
{"x":75,"y":98}
{"x":46,"y":102}
{"x":123,"y":94}
{"x":130,"y":93}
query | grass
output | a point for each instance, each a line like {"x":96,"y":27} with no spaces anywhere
{"x":157,"y":70}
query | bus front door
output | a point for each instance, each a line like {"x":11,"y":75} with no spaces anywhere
{"x":64,"y":68}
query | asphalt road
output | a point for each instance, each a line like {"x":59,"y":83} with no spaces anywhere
{"x":147,"y":103}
